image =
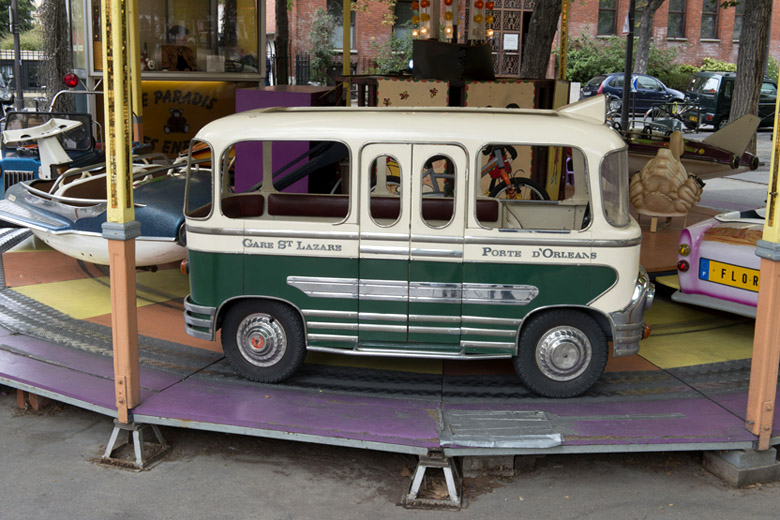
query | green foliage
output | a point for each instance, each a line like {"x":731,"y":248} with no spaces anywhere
{"x":31,"y":40}
{"x":589,"y":57}
{"x":392,"y":56}
{"x":773,"y":69}
{"x":677,"y":77}
{"x":320,"y":37}
{"x":717,"y":65}
{"x":26,"y":10}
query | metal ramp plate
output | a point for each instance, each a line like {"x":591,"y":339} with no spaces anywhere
{"x":498,"y":429}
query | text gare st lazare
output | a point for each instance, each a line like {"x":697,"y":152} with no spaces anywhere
{"x":539,"y":253}
{"x":295,"y":245}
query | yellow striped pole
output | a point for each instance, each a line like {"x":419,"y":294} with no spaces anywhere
{"x":120,"y":228}
{"x":766,"y":342}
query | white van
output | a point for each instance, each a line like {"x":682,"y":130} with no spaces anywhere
{"x":417,"y":233}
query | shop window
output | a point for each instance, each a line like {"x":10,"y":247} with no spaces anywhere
{"x":709,"y":20}
{"x":307,"y":180}
{"x":739,"y":16}
{"x":336,"y":10}
{"x":192,"y":35}
{"x":508,"y":176}
{"x":607,"y":17}
{"x":676,"y":25}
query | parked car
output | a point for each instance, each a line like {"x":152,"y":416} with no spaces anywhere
{"x":717,"y":266}
{"x":713,"y":92}
{"x":646,"y":91}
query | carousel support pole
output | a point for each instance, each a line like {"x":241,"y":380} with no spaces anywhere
{"x":135,"y":70}
{"x":346,"y":60}
{"x":564,"y":44}
{"x":120,"y":229}
{"x":766,"y":342}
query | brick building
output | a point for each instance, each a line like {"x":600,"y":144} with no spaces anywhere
{"x":695,"y":28}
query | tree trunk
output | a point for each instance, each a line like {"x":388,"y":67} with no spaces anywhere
{"x":751,"y":60}
{"x":282,"y":43}
{"x":645,"y":35}
{"x":538,"y":42}
{"x":57,"y":48}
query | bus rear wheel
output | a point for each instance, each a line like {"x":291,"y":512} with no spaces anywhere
{"x":264,"y":340}
{"x":561,"y":353}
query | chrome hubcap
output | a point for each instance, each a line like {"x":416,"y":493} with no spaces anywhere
{"x":563,"y":353}
{"x":261,"y":340}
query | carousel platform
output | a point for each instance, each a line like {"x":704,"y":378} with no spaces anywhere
{"x":685,"y":390}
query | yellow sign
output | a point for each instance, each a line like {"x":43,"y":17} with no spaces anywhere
{"x":175,"y":110}
{"x":729,"y":274}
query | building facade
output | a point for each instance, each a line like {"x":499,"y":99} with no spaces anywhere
{"x":696,"y":29}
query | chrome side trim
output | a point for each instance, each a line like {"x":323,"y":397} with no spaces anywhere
{"x":437,"y":239}
{"x":316,"y":313}
{"x":429,"y":317}
{"x":378,"y":250}
{"x":488,"y":345}
{"x":437,"y":253}
{"x":499,"y":294}
{"x":422,"y":292}
{"x":331,"y":337}
{"x":531,"y":240}
{"x":434,"y":330}
{"x":381,"y":317}
{"x":325,"y":287}
{"x":338,"y":235}
{"x":417,"y":354}
{"x":391,"y":237}
{"x":506,"y":333}
{"x":489,"y":320}
{"x":331,"y":325}
{"x":375,"y":327}
{"x":435,"y":292}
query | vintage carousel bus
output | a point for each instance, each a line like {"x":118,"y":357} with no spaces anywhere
{"x":388,"y":232}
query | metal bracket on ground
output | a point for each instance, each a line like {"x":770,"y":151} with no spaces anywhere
{"x":143,"y":453}
{"x":437,"y":499}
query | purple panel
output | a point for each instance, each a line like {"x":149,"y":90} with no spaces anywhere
{"x":393,"y":421}
{"x":63,"y":381}
{"x":663,"y":421}
{"x":248,"y":158}
{"x":95,"y":364}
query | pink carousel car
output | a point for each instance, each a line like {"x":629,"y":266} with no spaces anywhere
{"x":717,"y":264}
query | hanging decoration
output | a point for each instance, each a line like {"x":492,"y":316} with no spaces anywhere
{"x":477,"y":24}
{"x":425,"y":20}
{"x":450,"y":17}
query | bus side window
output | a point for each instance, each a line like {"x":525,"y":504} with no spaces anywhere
{"x":385,"y":173}
{"x":509,"y":174}
{"x":438,"y":190}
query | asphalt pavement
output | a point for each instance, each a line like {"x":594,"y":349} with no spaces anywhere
{"x":48,"y":468}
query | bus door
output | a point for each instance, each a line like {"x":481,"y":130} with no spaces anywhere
{"x":383,"y":289}
{"x":437,"y":223}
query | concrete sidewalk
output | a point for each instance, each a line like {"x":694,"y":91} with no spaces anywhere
{"x":48,"y":471}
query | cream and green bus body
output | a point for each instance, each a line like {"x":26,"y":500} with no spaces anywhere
{"x":419,"y":266}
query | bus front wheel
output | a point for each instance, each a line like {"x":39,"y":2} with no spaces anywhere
{"x":561,"y":353}
{"x":263,"y":340}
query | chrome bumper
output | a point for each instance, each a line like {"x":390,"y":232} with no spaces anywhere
{"x":628,"y":324}
{"x":199,"y":320}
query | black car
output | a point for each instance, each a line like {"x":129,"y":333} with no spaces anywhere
{"x":646,"y":91}
{"x":713,"y":92}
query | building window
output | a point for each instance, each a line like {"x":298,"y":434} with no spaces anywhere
{"x":676,"y":25}
{"x":607,"y":17}
{"x":402,"y":29}
{"x":739,"y":15}
{"x":336,"y":10}
{"x":709,"y":20}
